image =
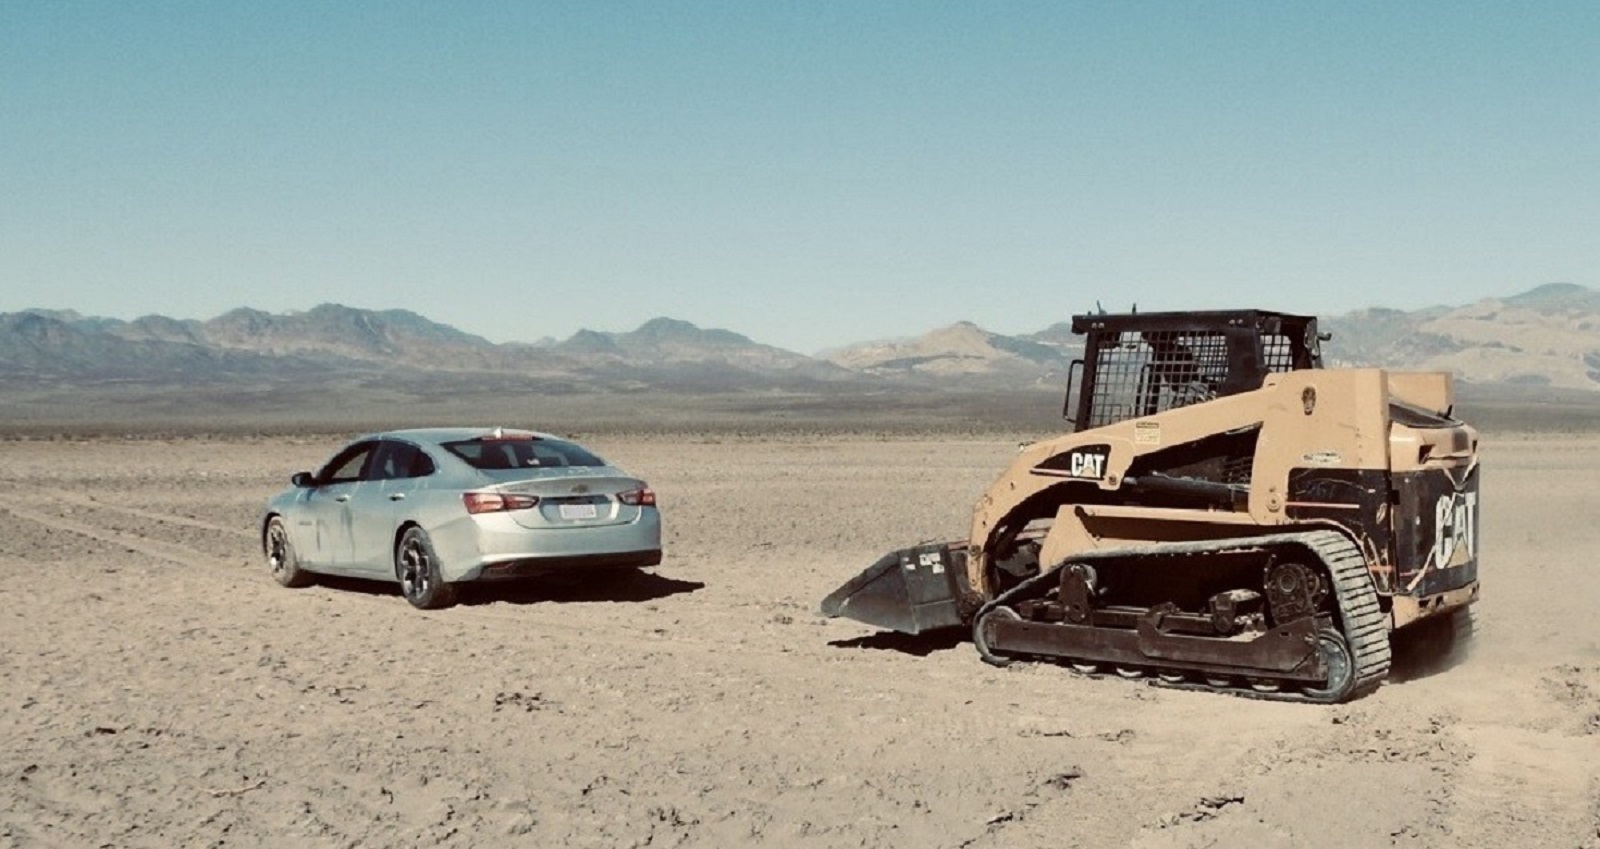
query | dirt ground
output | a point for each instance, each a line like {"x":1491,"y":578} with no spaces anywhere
{"x":158,"y":689}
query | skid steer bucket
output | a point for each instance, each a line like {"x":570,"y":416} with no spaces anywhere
{"x":911,"y":590}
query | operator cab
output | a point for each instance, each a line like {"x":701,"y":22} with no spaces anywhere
{"x":1140,"y":364}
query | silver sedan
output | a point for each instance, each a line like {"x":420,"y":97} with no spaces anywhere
{"x":432,"y":508}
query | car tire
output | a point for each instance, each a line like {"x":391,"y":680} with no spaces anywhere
{"x":281,"y":557}
{"x":417,"y":568}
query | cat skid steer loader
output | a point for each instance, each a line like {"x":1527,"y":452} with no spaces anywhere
{"x":1225,"y":515}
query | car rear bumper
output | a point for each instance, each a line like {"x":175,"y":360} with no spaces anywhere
{"x":468,"y":549}
{"x":533,"y":567}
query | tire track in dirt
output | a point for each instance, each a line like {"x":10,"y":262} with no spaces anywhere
{"x":743,"y":663}
{"x":180,"y":555}
{"x":708,"y":613}
{"x":494,"y":613}
{"x":751,"y":649}
{"x":754,"y":646}
{"x":1513,"y":780}
{"x":1521,"y":743}
{"x":167,"y":518}
{"x":776,"y":609}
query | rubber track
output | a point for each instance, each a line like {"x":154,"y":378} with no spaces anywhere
{"x":1362,"y":621}
{"x":1364,"y":626}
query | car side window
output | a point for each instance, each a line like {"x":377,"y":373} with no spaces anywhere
{"x":345,"y":467}
{"x":420,"y":465}
{"x":396,"y":459}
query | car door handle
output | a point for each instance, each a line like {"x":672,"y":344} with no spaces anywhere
{"x":341,"y":498}
{"x":397,"y":496}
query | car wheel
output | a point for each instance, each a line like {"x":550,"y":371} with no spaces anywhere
{"x":281,"y":559}
{"x":417,"y":567}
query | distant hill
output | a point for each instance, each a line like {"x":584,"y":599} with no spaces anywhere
{"x":962,"y":350}
{"x":391,"y":337}
{"x":1546,"y":337}
{"x":667,"y":341}
{"x":49,"y":348}
{"x":50,"y":345}
{"x":1058,"y":335}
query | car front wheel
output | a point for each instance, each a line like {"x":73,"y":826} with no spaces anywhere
{"x":281,"y":559}
{"x":417,"y":567}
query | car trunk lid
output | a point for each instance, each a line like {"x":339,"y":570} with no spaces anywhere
{"x":573,"y":497}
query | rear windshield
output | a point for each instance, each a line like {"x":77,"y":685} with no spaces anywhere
{"x":489,"y":455}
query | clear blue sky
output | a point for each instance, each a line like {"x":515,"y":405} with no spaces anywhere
{"x":808,"y":174}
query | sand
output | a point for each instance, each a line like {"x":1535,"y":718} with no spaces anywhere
{"x":158,"y":689}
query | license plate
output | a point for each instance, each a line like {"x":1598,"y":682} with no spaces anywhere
{"x":578,"y":511}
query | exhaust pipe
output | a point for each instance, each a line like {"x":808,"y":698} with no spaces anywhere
{"x":911,"y":590}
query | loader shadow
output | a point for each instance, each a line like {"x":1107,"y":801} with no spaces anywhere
{"x":918,"y":645}
{"x":1427,"y":649}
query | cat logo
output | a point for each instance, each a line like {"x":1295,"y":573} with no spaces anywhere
{"x":1083,"y":464}
{"x":1455,"y":526}
{"x":1086,"y":462}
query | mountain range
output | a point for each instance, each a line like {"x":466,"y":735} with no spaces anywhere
{"x":1548,"y":336}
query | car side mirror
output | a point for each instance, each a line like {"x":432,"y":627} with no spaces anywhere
{"x":303,"y":480}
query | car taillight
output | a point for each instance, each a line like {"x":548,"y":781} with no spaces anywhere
{"x":644,"y":496}
{"x":497,"y":502}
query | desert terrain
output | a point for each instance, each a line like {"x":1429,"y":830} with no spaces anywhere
{"x":158,"y":689}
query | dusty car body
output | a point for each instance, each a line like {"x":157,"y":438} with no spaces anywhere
{"x":433,"y":508}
